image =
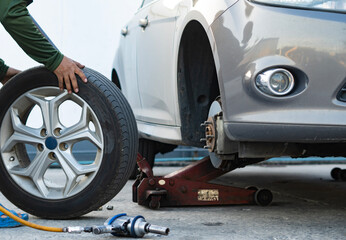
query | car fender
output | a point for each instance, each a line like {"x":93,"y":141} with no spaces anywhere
{"x":118,"y":67}
{"x":205,"y":14}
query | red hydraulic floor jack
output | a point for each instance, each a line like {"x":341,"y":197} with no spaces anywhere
{"x":189,"y":186}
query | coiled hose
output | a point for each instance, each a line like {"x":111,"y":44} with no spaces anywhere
{"x":119,"y":225}
{"x":29,"y":224}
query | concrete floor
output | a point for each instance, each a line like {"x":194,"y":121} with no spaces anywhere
{"x":307,"y":204}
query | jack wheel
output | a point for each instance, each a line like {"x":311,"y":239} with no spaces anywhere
{"x":263,"y":197}
{"x":154,"y":204}
{"x":338,"y":174}
{"x":335,"y":173}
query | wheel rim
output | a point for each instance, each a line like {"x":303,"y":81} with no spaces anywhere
{"x":54,"y":171}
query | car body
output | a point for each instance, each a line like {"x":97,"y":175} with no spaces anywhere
{"x":182,"y":62}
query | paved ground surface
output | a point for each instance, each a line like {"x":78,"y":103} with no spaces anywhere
{"x":308,"y":204}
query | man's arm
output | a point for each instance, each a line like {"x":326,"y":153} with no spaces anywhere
{"x":6,"y":72}
{"x":16,"y":19}
{"x":3,"y":70}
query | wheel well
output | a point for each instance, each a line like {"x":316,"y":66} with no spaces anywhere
{"x":197,"y":82}
{"x":115,"y":79}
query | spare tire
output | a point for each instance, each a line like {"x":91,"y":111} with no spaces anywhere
{"x":42,"y":130}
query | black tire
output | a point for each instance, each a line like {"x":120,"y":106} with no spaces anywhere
{"x":147,"y":149}
{"x":120,"y":138}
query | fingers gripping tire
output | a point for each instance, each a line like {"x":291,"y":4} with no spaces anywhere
{"x":53,"y":183}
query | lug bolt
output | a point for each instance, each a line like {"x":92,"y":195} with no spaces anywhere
{"x":52,"y":155}
{"x":44,"y":132}
{"x":40,"y":147}
{"x":57,"y":131}
{"x":63,"y":146}
{"x":12,"y":158}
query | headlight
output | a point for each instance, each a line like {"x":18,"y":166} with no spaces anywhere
{"x":275,"y":82}
{"x":331,"y":5}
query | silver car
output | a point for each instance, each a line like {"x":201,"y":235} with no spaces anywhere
{"x":246,"y":79}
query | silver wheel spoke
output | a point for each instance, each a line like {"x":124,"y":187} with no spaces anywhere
{"x":66,"y":159}
{"x":82,"y":124}
{"x":22,"y":133}
{"x":49,"y":109}
{"x":82,"y":134}
{"x":36,"y":171}
{"x":73,"y":170}
{"x":19,"y":127}
{"x":71,"y":180}
{"x":18,"y":138}
{"x":81,"y":131}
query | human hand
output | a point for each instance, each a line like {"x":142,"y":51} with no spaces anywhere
{"x":11,"y":72}
{"x":65,"y":73}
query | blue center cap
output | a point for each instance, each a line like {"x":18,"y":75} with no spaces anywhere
{"x":51,"y":143}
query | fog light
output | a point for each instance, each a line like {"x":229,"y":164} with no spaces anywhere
{"x":276,"y":82}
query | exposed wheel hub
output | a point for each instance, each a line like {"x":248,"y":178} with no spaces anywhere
{"x":221,"y":149}
{"x":210,"y":134}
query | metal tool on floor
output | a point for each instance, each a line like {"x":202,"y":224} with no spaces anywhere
{"x":190,"y":186}
{"x":123,"y":225}
{"x":119,"y":225}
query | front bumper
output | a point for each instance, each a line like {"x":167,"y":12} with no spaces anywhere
{"x":251,"y":38}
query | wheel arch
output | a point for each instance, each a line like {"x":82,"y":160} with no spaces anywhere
{"x":115,"y":78}
{"x":197,"y":79}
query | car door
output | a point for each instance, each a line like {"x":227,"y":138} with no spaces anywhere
{"x":155,"y":61}
{"x":127,"y":54}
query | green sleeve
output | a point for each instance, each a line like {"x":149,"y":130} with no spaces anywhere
{"x":3,"y":69}
{"x":16,"y":20}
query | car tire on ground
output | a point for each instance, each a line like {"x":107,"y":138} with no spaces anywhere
{"x":148,"y":149}
{"x":105,"y":121}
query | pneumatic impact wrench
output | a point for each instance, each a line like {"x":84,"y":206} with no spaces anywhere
{"x":125,"y":226}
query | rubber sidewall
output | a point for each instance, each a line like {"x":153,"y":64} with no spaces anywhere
{"x":120,"y":147}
